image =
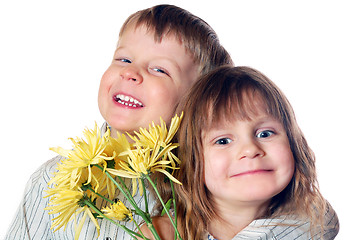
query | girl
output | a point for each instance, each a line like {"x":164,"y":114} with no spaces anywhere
{"x":245,"y":163}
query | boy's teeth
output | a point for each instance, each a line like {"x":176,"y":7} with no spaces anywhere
{"x":128,"y":101}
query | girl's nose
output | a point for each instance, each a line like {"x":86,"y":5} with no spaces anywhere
{"x":250,"y":149}
{"x":131,"y":73}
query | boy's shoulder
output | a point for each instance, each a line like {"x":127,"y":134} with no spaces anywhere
{"x":46,"y":171}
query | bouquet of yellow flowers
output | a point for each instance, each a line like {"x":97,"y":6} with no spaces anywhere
{"x":99,"y":164}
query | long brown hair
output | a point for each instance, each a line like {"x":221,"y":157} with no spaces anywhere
{"x":224,"y":93}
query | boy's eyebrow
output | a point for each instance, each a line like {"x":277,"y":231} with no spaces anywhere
{"x":118,"y":48}
{"x":173,"y":63}
{"x":159,"y":57}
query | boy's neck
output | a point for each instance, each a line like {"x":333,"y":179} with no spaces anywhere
{"x":114,"y":134}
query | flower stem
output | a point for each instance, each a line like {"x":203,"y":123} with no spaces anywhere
{"x":174,"y":205}
{"x":127,"y":194}
{"x":139,"y":230}
{"x":103,"y":197}
{"x":144,"y":215}
{"x":130,"y":232}
{"x":125,"y":191}
{"x":162,"y":202}
{"x":122,"y":188}
{"x":145,"y":196}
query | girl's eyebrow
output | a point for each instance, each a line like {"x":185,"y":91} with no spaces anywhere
{"x":211,"y":131}
{"x":269,"y":120}
{"x":264,"y":117}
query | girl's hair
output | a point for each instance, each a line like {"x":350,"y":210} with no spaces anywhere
{"x":230,"y":93}
{"x":199,"y":39}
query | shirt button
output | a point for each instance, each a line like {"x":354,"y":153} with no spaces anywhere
{"x":108,"y":238}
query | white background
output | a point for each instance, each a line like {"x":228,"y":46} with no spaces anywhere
{"x":53,"y":54}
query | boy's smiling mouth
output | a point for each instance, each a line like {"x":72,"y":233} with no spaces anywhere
{"x":127,"y":100}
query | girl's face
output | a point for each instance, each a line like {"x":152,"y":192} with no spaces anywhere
{"x":247,"y":161}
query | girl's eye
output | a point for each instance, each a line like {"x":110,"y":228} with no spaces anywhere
{"x":265,"y":134}
{"x":223,"y":141}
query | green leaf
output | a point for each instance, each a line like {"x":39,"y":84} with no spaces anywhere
{"x":167,"y":206}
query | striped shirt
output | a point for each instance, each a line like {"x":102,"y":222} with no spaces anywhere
{"x":286,"y":228}
{"x":32,"y":222}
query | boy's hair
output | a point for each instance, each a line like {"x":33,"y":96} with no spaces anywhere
{"x":231,"y":93}
{"x":199,"y":39}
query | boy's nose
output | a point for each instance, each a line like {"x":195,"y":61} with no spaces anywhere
{"x":131,"y":74}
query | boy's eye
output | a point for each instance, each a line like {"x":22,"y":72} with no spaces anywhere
{"x":125,"y":60}
{"x":265,"y":134}
{"x":160,"y":70}
{"x":223,"y":141}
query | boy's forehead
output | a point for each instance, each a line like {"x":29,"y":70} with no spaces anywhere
{"x":151,"y":31}
{"x":140,"y":43}
{"x":168,"y":44}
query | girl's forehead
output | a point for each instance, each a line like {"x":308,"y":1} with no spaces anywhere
{"x":256,"y":115}
{"x":245,"y":107}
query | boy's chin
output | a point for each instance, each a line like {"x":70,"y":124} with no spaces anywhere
{"x":120,"y":124}
{"x":115,"y":130}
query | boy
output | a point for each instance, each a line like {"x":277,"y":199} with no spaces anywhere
{"x":160,"y":53}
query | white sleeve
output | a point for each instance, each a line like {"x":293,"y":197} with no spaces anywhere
{"x":31,"y":221}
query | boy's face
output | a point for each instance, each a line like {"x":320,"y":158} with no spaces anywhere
{"x":145,"y":80}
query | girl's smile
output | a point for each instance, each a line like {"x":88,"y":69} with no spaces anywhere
{"x":252,"y":172}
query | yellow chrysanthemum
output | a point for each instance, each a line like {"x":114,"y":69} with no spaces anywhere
{"x":68,"y":204}
{"x":116,"y":146}
{"x":79,"y":181}
{"x":118,"y":211}
{"x":158,"y":134}
{"x":76,"y":169}
{"x":148,"y":156}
